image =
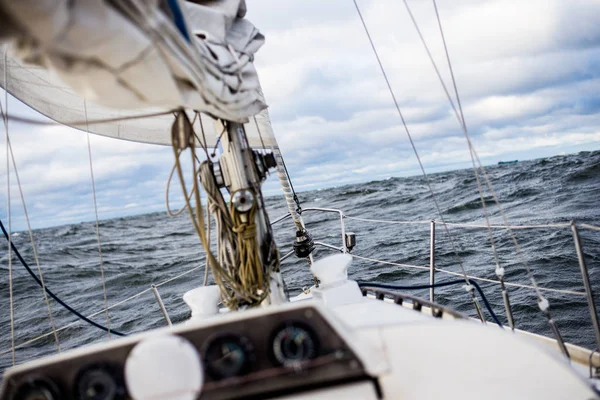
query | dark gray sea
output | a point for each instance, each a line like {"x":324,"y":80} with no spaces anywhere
{"x":145,"y":249}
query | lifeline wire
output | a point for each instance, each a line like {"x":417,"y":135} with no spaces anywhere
{"x":435,"y":285}
{"x":421,"y":267}
{"x":418,"y":158}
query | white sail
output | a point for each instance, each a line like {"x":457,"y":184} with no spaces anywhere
{"x":129,"y":58}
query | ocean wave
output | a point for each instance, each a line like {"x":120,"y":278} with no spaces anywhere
{"x":146,"y":249}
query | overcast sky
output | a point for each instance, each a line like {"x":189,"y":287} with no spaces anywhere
{"x":528,"y":73}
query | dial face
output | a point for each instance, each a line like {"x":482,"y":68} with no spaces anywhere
{"x":36,"y":389}
{"x":227,"y":356}
{"x":294,"y":344}
{"x":99,"y":382}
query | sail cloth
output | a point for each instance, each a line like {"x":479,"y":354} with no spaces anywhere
{"x":132,"y":57}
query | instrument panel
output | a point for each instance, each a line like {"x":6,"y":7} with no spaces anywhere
{"x":252,"y":354}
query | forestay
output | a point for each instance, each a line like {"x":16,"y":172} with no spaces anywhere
{"x":135,"y":57}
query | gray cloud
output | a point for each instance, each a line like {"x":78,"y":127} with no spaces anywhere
{"x":528,"y":75}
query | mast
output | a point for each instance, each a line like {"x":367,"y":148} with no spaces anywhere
{"x":243,"y":171}
{"x":185,"y":75}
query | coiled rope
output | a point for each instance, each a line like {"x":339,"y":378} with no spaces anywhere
{"x":237,"y":271}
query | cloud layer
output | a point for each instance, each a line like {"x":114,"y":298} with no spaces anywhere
{"x":527,"y":73}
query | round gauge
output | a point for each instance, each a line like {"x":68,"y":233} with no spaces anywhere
{"x":294,"y":344}
{"x":227,"y":356}
{"x":36,"y":389}
{"x":99,"y":382}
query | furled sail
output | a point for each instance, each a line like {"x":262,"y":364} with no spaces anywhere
{"x":134,"y":57}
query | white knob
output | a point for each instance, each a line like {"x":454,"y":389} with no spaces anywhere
{"x":164,"y":367}
{"x":332,"y":270}
{"x":203,"y":301}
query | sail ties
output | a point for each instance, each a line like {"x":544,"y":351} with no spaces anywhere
{"x":245,"y":231}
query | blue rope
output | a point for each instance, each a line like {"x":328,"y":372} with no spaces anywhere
{"x":178,"y":18}
{"x":372,"y":284}
{"x":50,"y":293}
{"x":435,"y":285}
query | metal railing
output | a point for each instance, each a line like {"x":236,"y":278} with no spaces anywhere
{"x":574,"y":227}
{"x":153,"y":288}
{"x":431,"y":268}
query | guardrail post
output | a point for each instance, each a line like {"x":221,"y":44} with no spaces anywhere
{"x":586,"y":282}
{"x":432,"y":260}
{"x":343,"y":227}
{"x":161,"y":305}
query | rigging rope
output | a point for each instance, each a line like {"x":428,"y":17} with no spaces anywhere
{"x":206,"y":267}
{"x":542,"y":302}
{"x":237,"y":271}
{"x":473,"y":153}
{"x":50,"y":293}
{"x":294,"y":196}
{"x":434,"y":197}
{"x":170,"y":212}
{"x":33,"y":246}
{"x":10,"y":282}
{"x":239,"y":260}
{"x":499,"y":270}
{"x":203,"y":142}
{"x":89,"y":147}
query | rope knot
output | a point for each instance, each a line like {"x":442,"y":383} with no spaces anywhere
{"x":247,"y":231}
{"x":213,"y":207}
